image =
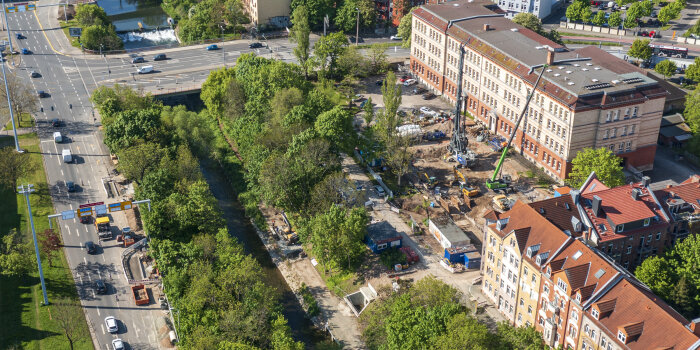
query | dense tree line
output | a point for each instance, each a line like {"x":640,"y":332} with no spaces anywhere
{"x":206,"y":19}
{"x":98,"y":31}
{"x":674,"y":276}
{"x":428,"y":315}
{"x":218,"y":290}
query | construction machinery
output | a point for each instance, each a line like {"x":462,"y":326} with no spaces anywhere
{"x":496,"y":182}
{"x":430,"y":180}
{"x":458,"y":142}
{"x":501,"y":202}
{"x":103,"y":229}
{"x":466,"y":190}
{"x":470,"y":191}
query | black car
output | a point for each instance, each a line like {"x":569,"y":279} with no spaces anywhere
{"x":428,"y":96}
{"x":255,"y":45}
{"x":90,"y":247}
{"x":70,"y":186}
{"x":85,"y":219}
{"x":418,"y":90}
{"x":160,"y":57}
{"x":55,"y":122}
{"x":138,"y":60}
{"x":34,"y":74}
{"x":100,"y":287}
{"x":379,"y":82}
{"x":42,"y":94}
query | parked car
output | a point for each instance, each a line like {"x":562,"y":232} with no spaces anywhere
{"x":160,"y":57}
{"x":601,"y":7}
{"x":34,"y":74}
{"x":395,"y":37}
{"x":70,"y":186}
{"x":25,"y":51}
{"x":255,"y":45}
{"x":379,"y":82}
{"x":138,"y":59}
{"x":42,"y":94}
{"x":418,"y":90}
{"x":409,"y":82}
{"x":144,"y":70}
{"x":654,"y":14}
{"x":100,"y":287}
{"x":111,"y":324}
{"x":117,"y":344}
{"x":428,"y":96}
{"x":91,"y":247}
{"x":428,"y":110}
{"x":212,"y":47}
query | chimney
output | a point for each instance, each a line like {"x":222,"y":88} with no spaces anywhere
{"x":574,"y":196}
{"x":695,"y":326}
{"x":645,"y":181}
{"x":597,"y":205}
{"x":636,"y":193}
{"x":487,"y":27}
{"x":550,"y":57}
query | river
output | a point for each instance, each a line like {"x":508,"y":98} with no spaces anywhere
{"x":126,"y":15}
{"x":240,"y":227}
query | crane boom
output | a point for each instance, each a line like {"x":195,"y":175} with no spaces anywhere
{"x":494,"y":182}
{"x":458,"y":143}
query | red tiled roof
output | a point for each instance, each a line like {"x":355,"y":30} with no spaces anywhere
{"x":663,"y":327}
{"x":594,"y":186}
{"x":605,"y":306}
{"x":689,"y":192}
{"x":491,"y":215}
{"x":563,"y":190}
{"x":556,"y":211}
{"x":633,"y":329}
{"x":577,"y":276}
{"x":619,"y":206}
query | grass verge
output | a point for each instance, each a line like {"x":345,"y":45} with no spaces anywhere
{"x":26,"y":323}
{"x":25,"y":120}
{"x":579,"y":34}
{"x":65,"y":25}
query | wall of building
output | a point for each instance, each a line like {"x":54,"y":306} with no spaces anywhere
{"x":266,"y":12}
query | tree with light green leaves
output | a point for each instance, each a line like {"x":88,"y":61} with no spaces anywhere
{"x":576,"y":10}
{"x":640,"y":49}
{"x":336,"y":236}
{"x":586,"y":14}
{"x":607,"y":167}
{"x":346,"y":17}
{"x":16,"y":256}
{"x":327,"y":50}
{"x":388,"y":120}
{"x":599,"y":18}
{"x":667,"y":68}
{"x":614,"y":20}
{"x":529,"y":21}
{"x":300,"y":35}
{"x":405,"y":28}
{"x":692,"y":110}
{"x":693,"y":70}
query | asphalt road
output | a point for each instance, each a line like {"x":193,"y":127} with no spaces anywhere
{"x":68,"y":83}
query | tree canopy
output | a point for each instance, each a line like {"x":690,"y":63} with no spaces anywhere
{"x":606,"y":165}
{"x":346,"y":17}
{"x":667,"y":68}
{"x":640,"y":49}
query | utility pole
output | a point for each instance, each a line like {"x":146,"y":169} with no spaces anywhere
{"x":357,"y":30}
{"x":223,"y":51}
{"x":326,"y":23}
{"x":26,"y":190}
{"x":7,"y":24}
{"x":9,"y":105}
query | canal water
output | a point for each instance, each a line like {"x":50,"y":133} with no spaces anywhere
{"x":126,"y":15}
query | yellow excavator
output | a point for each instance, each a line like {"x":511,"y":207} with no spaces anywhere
{"x":466,"y":190}
{"x":430,"y":180}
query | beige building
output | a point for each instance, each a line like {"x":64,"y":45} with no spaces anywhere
{"x":268,"y":12}
{"x":587,"y":97}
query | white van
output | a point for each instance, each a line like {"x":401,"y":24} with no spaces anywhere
{"x":145,"y":70}
{"x":67,"y":157}
{"x":57,"y":137}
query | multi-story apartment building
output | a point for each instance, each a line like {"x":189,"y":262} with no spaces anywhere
{"x":539,"y":8}
{"x":265,"y":12}
{"x":629,"y":316}
{"x":682,"y":205}
{"x":627,"y":222}
{"x":587,"y":97}
{"x":568,"y":289}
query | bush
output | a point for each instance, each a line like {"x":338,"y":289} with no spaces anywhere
{"x":391,"y":257}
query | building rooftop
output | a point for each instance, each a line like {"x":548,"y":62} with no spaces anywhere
{"x":581,"y":78}
{"x":381,"y":231}
{"x":647,"y":321}
{"x":561,"y":212}
{"x":450,"y":231}
{"x":684,"y":197}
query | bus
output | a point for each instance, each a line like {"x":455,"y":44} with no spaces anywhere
{"x":669,"y":51}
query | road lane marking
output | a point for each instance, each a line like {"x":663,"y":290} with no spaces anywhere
{"x":76,"y":231}
{"x":85,"y":260}
{"x":103,"y":332}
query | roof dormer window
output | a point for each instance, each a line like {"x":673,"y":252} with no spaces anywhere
{"x":594,"y":313}
{"x":647,"y":221}
{"x":578,"y":297}
{"x":621,"y":336}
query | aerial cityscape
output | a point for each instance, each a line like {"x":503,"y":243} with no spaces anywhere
{"x":350,"y":174}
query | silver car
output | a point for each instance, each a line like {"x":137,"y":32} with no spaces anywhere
{"x":111,"y":324}
{"x":117,"y":344}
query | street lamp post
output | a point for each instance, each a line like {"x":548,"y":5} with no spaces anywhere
{"x":9,"y":105}
{"x":223,"y":51}
{"x":357,"y":29}
{"x":26,"y":191}
{"x":7,"y":25}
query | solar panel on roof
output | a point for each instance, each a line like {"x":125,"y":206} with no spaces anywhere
{"x":600,"y":273}
{"x":598,"y":86}
{"x":633,"y":80}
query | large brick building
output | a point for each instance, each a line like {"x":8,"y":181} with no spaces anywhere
{"x":587,"y":97}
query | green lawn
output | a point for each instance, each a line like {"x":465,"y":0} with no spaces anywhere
{"x":24,"y":121}
{"x":65,"y":25}
{"x":26,"y":323}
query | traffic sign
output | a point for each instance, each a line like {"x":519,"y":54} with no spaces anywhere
{"x":126,"y":205}
{"x":10,"y":9}
{"x":31,"y":7}
{"x":68,"y":214}
{"x":84,"y":212}
{"x":91,"y":204}
{"x":101,"y":209}
{"x":115,"y":207}
{"x":75,"y":31}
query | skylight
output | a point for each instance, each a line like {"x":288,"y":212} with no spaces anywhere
{"x":577,"y":255}
{"x":600,"y":273}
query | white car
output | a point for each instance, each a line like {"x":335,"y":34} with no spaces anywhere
{"x":427,"y":110}
{"x":117,"y":344}
{"x":409,"y":82}
{"x":395,"y":37}
{"x":111,"y":324}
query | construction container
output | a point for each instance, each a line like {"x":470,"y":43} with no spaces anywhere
{"x":456,"y":255}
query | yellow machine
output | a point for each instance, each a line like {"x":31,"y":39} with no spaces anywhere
{"x":429,"y":179}
{"x":466,"y":190}
{"x":470,"y":192}
{"x":501,"y":202}
{"x":459,"y":176}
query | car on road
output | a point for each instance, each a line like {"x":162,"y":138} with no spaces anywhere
{"x":395,"y":37}
{"x":117,"y":344}
{"x":55,"y":122}
{"x":100,"y":287}
{"x":428,"y":96}
{"x":212,"y":47}
{"x":138,"y":59}
{"x":19,"y":36}
{"x":409,"y":82}
{"x":25,"y":51}
{"x":160,"y":57}
{"x":111,"y":324}
{"x":34,"y":74}
{"x":90,"y":246}
{"x":42,"y":94}
{"x":255,"y":45}
{"x":70,"y":186}
{"x":144,"y":70}
{"x":85,"y":219}
{"x":57,"y":137}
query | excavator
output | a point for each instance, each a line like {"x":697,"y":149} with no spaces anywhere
{"x":466,"y":190}
{"x":496,"y":182}
{"x":430,"y":180}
